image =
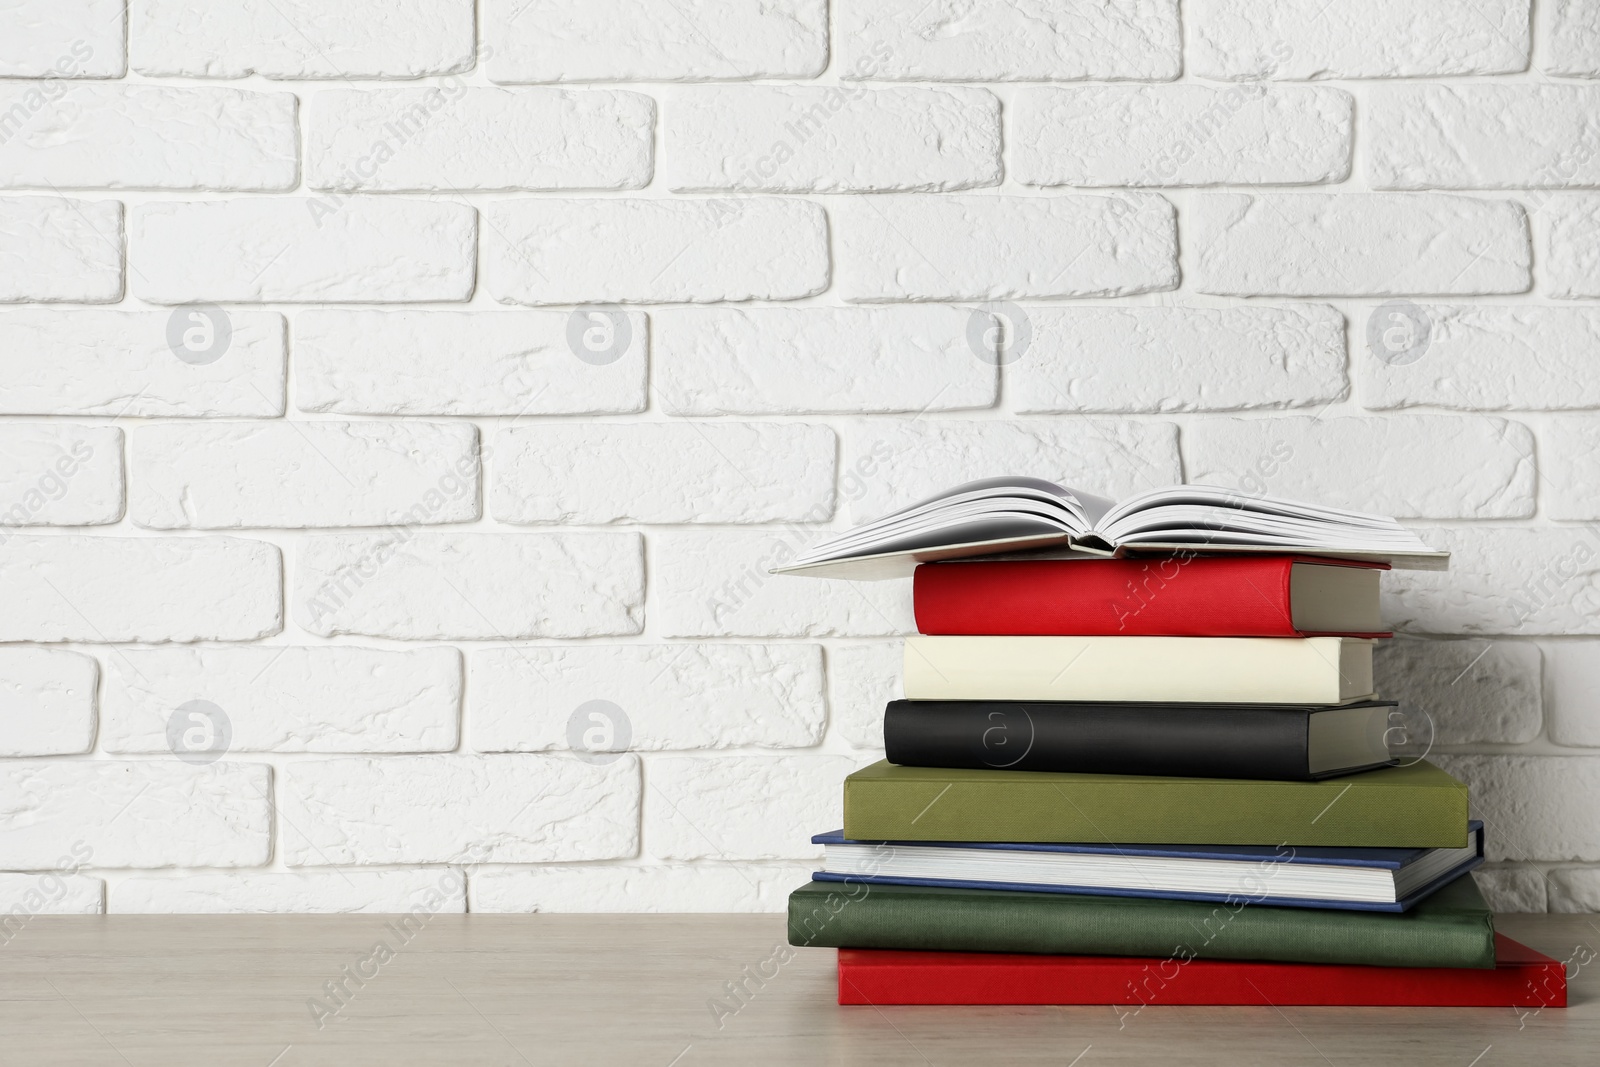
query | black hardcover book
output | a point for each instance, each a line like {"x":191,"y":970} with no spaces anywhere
{"x":1268,"y":741}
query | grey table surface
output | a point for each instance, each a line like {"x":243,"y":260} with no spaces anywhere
{"x":652,"y":990}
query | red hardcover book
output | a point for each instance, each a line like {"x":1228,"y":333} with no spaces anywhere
{"x":1521,"y":978}
{"x":1167,"y":596}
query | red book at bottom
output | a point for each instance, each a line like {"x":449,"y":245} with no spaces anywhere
{"x":1521,"y":978}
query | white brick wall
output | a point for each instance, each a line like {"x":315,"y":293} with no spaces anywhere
{"x":122,"y":364}
{"x":53,"y":249}
{"x":228,"y":475}
{"x":1181,"y":135}
{"x":1571,"y":246}
{"x":106,"y":135}
{"x":1358,"y":245}
{"x":685,"y":696}
{"x":650,"y":473}
{"x":397,"y":397}
{"x":1000,"y":247}
{"x":301,"y":38}
{"x":64,"y":39}
{"x":835,"y":140}
{"x":1249,"y":39}
{"x":301,"y":249}
{"x":46,"y":701}
{"x":465,"y":138}
{"x":654,"y":251}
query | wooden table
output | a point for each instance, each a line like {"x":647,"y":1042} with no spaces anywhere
{"x":634,"y":989}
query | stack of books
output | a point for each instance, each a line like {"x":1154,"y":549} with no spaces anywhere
{"x":1161,"y":779}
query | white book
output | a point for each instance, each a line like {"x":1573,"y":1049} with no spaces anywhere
{"x":1002,"y":516}
{"x":1189,"y":670}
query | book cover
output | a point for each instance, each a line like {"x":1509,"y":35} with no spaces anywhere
{"x":1207,"y":670}
{"x":1452,"y":928}
{"x":1414,"y":806}
{"x":1521,"y":977}
{"x":1283,"y":742}
{"x":1359,"y":879}
{"x":1177,"y":596}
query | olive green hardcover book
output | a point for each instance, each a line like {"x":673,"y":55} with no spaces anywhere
{"x":1415,"y":806}
{"x":1452,"y":928}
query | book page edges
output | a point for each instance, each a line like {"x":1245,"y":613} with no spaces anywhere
{"x":886,"y":565}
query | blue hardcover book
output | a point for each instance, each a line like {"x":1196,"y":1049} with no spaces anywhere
{"x":1358,"y":879}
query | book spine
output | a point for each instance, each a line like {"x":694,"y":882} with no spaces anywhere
{"x":1195,"y":741}
{"x":1010,"y":807}
{"x":1211,"y":670}
{"x":1171,"y":596}
{"x":897,"y":917}
{"x":868,"y":976}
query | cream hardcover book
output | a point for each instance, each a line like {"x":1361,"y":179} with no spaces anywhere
{"x":1192,"y":670}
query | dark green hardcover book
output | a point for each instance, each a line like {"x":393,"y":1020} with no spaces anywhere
{"x":1417,"y":806}
{"x":1452,"y":928}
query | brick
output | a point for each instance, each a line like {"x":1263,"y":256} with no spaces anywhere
{"x":447,"y":809}
{"x":832,"y":139}
{"x":121,"y":363}
{"x":693,"y":888}
{"x":715,"y":584}
{"x":147,"y":589}
{"x":1501,"y":581}
{"x":288,"y":699}
{"x":1512,"y":890}
{"x":1571,"y":43}
{"x":1482,"y":136}
{"x":468,"y":586}
{"x":1570,"y":231}
{"x":550,"y":251}
{"x":663,"y":697}
{"x":471,"y":363}
{"x":1358,"y":244}
{"x":64,"y":39}
{"x":862,"y":678}
{"x":1180,"y":135}
{"x":891,"y":464}
{"x":822,"y":360}
{"x":126,"y":814}
{"x":599,"y":473}
{"x":654,"y":40}
{"x":1409,"y":466}
{"x":298,"y":892}
{"x":47,"y":698}
{"x":23,"y":896}
{"x":1007,"y":40}
{"x":302,"y":38}
{"x":1460,"y":692}
{"x":59,"y":474}
{"x":1572,"y":671}
{"x":1121,"y":359}
{"x":303,"y":474}
{"x":1569,"y":468}
{"x":302,"y":249}
{"x":741,"y":807}
{"x":1574,"y":891}
{"x":1526,"y":803}
{"x":83,"y":135}
{"x":1478,"y":357}
{"x":1001,"y":247}
{"x":53,"y":249}
{"x":459,"y":137}
{"x":1253,"y":39}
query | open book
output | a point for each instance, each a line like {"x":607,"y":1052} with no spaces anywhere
{"x":1042,"y":520}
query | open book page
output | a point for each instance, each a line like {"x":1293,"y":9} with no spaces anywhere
{"x":1208,"y":515}
{"x":994,"y":510}
{"x":1005,"y":516}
